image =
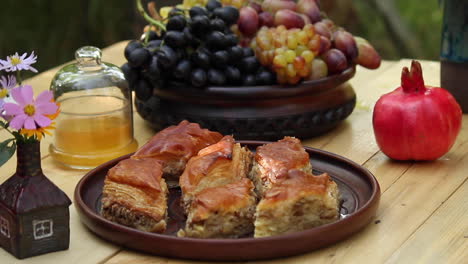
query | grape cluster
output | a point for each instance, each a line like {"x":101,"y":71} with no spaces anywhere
{"x":196,"y":50}
{"x":289,"y":53}
{"x":312,"y":52}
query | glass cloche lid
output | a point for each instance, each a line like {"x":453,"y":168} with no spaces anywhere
{"x":96,"y":121}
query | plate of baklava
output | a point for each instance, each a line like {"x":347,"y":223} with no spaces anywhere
{"x":193,"y":193}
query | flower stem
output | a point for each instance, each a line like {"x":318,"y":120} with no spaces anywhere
{"x":19,"y":80}
{"x":147,"y":17}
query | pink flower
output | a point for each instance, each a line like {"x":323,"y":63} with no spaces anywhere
{"x":27,"y":112}
{"x":18,"y":63}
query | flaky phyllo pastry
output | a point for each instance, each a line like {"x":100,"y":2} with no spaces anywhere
{"x":217,"y":196}
{"x":273,"y":161}
{"x":135,"y":191}
{"x":300,"y":201}
{"x":175,"y":145}
{"x":226,"y":191}
{"x":134,"y":195}
{"x":292,"y":198}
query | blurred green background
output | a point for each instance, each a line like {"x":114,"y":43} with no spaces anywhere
{"x":54,"y":29}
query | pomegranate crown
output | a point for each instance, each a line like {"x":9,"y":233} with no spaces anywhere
{"x":412,"y":81}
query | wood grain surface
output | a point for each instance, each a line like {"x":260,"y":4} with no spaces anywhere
{"x":423,"y":213}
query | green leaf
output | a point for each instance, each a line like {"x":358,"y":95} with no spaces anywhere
{"x":7,"y":151}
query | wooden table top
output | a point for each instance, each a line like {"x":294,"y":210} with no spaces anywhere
{"x":423,"y":212}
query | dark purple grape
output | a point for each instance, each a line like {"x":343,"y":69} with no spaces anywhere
{"x":175,"y":12}
{"x":183,"y":69}
{"x":249,"y":65}
{"x":189,"y":38}
{"x":248,"y":80}
{"x":217,"y":24}
{"x":143,"y":90}
{"x":248,"y":52}
{"x":181,"y":54}
{"x":152,"y":35}
{"x":131,"y":75}
{"x":139,"y":57}
{"x":229,"y":14}
{"x":131,"y":46}
{"x":199,"y":25}
{"x":176,"y":23}
{"x":167,"y":57}
{"x":216,"y":77}
{"x":159,"y":83}
{"x":233,"y":75}
{"x":220,"y":59}
{"x":231,"y":40}
{"x":198,"y":11}
{"x":125,"y":69}
{"x":153,"y":45}
{"x":198,"y":77}
{"x":215,"y":40}
{"x":213,"y":4}
{"x":235,"y":53}
{"x":201,"y":59}
{"x":175,"y":39}
{"x":163,"y":33}
{"x":154,"y":69}
{"x":264,"y":77}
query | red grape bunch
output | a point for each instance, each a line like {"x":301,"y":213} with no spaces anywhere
{"x":278,"y":29}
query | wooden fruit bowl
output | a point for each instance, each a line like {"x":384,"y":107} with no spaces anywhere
{"x":305,"y":110}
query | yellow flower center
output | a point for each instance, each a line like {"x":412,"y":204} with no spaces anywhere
{"x":29,"y":110}
{"x":15,"y":60}
{"x":3,"y":93}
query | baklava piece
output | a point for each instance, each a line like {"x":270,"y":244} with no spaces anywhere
{"x":299,"y":202}
{"x":273,"y":161}
{"x":219,"y":164}
{"x":217,"y":196}
{"x":175,"y":145}
{"x":135,"y":195}
{"x":226,"y":211}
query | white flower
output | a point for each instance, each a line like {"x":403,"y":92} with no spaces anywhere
{"x":17,"y":63}
{"x":6,"y":84}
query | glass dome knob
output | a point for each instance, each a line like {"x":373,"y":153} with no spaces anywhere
{"x":88,"y":56}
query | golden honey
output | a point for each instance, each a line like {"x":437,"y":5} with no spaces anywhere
{"x":87,"y":137}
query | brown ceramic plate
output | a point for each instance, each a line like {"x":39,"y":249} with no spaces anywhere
{"x":360,"y":197}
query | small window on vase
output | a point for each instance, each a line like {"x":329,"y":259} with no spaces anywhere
{"x":43,"y":228}
{"x":4,"y":227}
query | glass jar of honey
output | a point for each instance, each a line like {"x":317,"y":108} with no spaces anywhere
{"x":96,"y":120}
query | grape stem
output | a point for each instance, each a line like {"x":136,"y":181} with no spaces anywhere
{"x":147,"y":17}
{"x":147,"y":37}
